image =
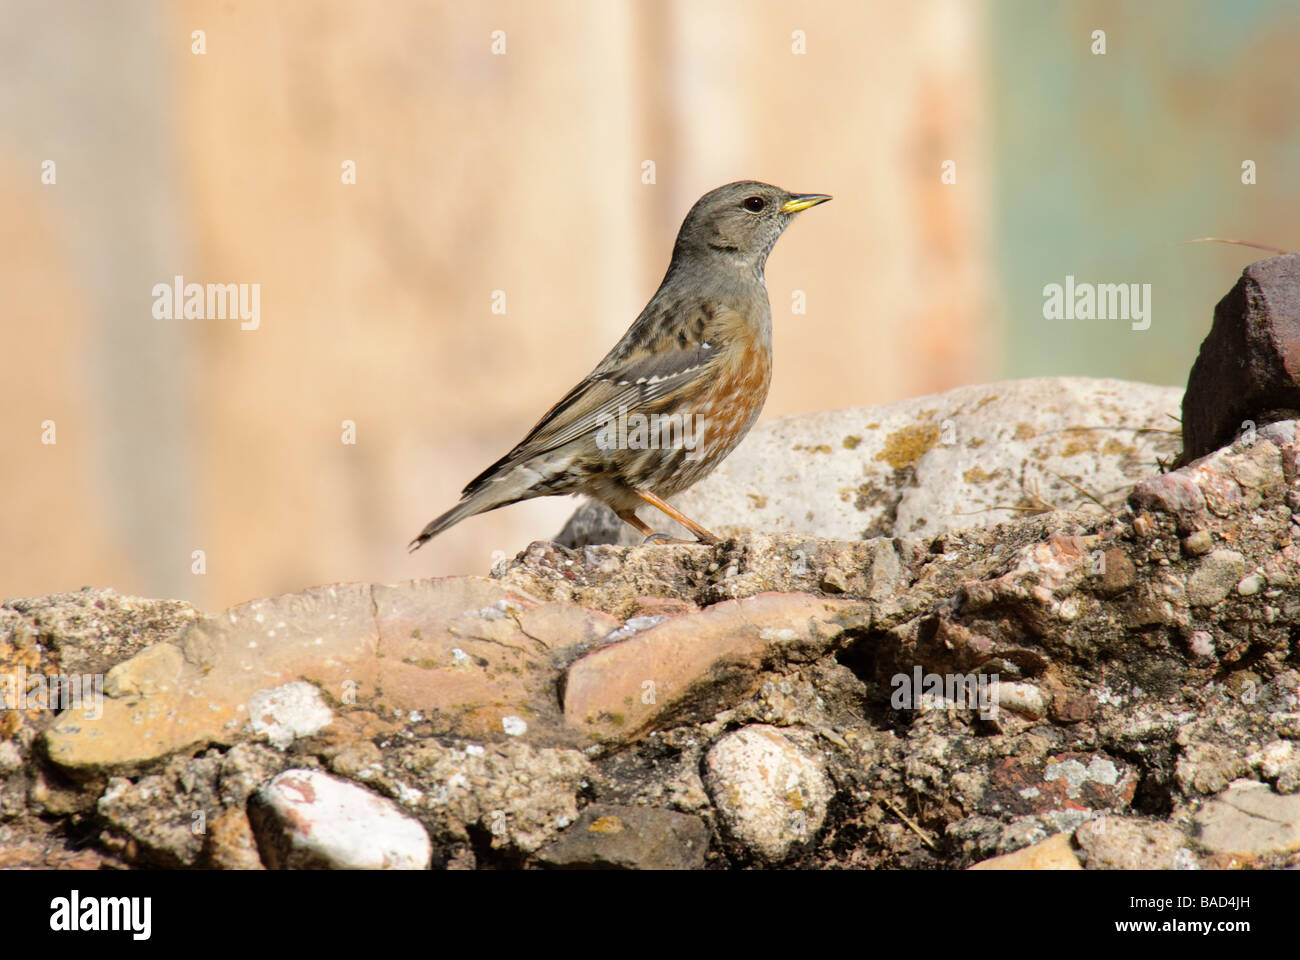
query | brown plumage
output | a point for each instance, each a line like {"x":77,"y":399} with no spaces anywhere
{"x":677,"y":393}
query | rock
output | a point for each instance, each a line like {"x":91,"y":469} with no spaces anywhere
{"x":288,"y":711}
{"x":1198,"y":543}
{"x":11,"y":760}
{"x":833,"y":581}
{"x":631,"y":582}
{"x":1071,"y":709}
{"x":1054,"y":853}
{"x":1208,"y":767}
{"x":186,"y":814}
{"x":1061,"y":789}
{"x":1024,"y":698}
{"x":923,"y":466}
{"x":1146,"y":659}
{"x":1124,"y":843}
{"x":357,"y":760}
{"x":92,"y":630}
{"x":1249,"y":820}
{"x":75,"y":635}
{"x":1177,"y":494}
{"x":231,"y":844}
{"x":155,"y":671}
{"x":1251,"y":585}
{"x":1246,"y":372}
{"x":771,"y":795}
{"x":225,"y":660}
{"x":470,"y":654}
{"x":1215,"y":578}
{"x":1117,"y":572}
{"x":690,"y":667}
{"x":517,"y":796}
{"x":161,"y":835}
{"x":39,"y":849}
{"x":630,"y":838}
{"x":1201,"y":643}
{"x":1279,"y":763}
{"x":463,"y":652}
{"x":306,"y":819}
{"x":1224,"y":484}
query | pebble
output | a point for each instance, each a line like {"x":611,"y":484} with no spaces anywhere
{"x":630,"y":838}
{"x":514,"y":726}
{"x":1201,"y":643}
{"x":770,"y":794}
{"x":1197,"y":543}
{"x":284,"y":713}
{"x":1054,"y":853}
{"x":833,"y":581}
{"x":1123,"y":843}
{"x":10,"y":759}
{"x":1250,"y":585}
{"x":1023,"y":698}
{"x":1215,"y":577}
{"x":308,"y":819}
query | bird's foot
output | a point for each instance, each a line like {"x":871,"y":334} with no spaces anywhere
{"x":663,"y":538}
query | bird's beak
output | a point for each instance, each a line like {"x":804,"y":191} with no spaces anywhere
{"x":802,"y":201}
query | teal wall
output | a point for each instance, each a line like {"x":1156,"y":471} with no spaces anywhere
{"x":1103,"y":163}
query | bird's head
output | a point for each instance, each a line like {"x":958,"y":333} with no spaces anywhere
{"x":740,"y":221}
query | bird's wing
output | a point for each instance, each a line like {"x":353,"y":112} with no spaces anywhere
{"x":642,"y":383}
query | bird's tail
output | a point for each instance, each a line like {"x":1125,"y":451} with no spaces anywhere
{"x":496,"y":487}
{"x":466,"y":508}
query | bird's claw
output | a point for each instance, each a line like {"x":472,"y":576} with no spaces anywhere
{"x":664,"y":538}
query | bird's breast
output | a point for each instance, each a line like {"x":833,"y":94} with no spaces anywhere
{"x":723,"y":411}
{"x":738,"y":388}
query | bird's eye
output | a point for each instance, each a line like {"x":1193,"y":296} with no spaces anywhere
{"x":754,"y":204}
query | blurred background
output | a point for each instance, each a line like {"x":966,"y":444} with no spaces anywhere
{"x":520,"y":171}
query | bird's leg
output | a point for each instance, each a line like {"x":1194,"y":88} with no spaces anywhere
{"x":643,"y":528}
{"x":627,"y":516}
{"x":655,"y":501}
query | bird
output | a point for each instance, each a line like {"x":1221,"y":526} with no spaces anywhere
{"x":677,"y":393}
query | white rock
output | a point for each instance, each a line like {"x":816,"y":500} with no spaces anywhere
{"x":1023,"y":698}
{"x":10,"y":759}
{"x":288,"y":711}
{"x":309,"y":819}
{"x":848,"y":474}
{"x":1274,"y":758}
{"x":1251,"y":584}
{"x":1201,"y":643}
{"x":771,"y":795}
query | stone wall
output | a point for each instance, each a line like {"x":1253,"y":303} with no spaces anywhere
{"x":1135,"y":701}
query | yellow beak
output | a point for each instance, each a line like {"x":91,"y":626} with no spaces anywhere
{"x":802,"y":201}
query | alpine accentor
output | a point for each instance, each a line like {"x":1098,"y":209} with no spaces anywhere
{"x":678,"y":392}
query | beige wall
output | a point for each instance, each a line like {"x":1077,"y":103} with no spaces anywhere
{"x":475,"y":173}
